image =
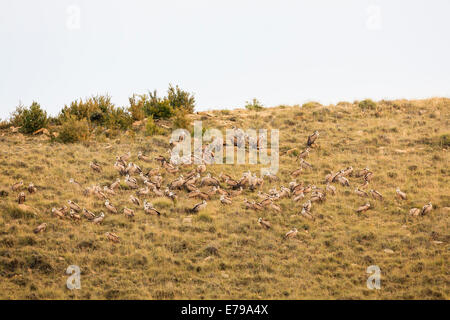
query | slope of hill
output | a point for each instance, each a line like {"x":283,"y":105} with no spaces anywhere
{"x":222,"y":252}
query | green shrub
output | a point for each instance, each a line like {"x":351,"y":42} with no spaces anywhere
{"x":136,"y":108}
{"x":181,"y":120}
{"x":30,"y":119}
{"x":119,"y":119}
{"x":254,"y":105}
{"x":74,"y":130}
{"x":97,"y":110}
{"x":367,"y":105}
{"x":180,"y":99}
{"x":311,"y":104}
{"x":151,"y":128}
{"x":158,"y":108}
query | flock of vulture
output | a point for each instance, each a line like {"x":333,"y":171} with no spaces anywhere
{"x":203,"y":186}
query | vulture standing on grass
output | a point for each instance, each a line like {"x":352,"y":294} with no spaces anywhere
{"x":75,"y":207}
{"x":40,"y":228}
{"x":17,"y":186}
{"x":149,"y":209}
{"x":304,"y":154}
{"x":21,"y":198}
{"x":426,"y":209}
{"x":58,"y":213}
{"x":414,"y":212}
{"x":131,"y":182}
{"x":199,"y":206}
{"x":312,"y":138}
{"x":169,"y":194}
{"x":99,"y":219}
{"x":376,"y":195}
{"x":143,"y":157}
{"x":128,"y":213}
{"x":291,"y":234}
{"x":361,"y":193}
{"x":88,"y":214}
{"x":400,"y":194}
{"x":96,"y":167}
{"x":112,"y":237}
{"x":110,"y":207}
{"x":135,"y":200}
{"x":263,"y":223}
{"x":363,"y":208}
{"x":31,"y":188}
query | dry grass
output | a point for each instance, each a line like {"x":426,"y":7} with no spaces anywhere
{"x":169,"y":258}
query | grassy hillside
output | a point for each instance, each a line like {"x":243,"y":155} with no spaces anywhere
{"x":222,"y":252}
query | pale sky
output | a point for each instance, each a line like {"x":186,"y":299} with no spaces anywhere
{"x":226,"y":52}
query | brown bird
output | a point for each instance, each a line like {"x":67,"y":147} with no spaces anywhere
{"x":343,"y":181}
{"x":304,"y":164}
{"x":376,"y":195}
{"x":275,"y":207}
{"x":115,"y":185}
{"x":96,"y":167}
{"x":99,"y":219}
{"x":74,"y":216}
{"x":198,"y":194}
{"x":112,"y":237}
{"x":297,"y":172}
{"x":158,"y":192}
{"x":143,"y":191}
{"x":75,"y":207}
{"x":71,"y":180}
{"x":414,"y":212}
{"x":400,"y":194}
{"x":426,"y":209}
{"x":224,"y":177}
{"x":312,"y":138}
{"x":299,"y":197}
{"x":238,"y":192}
{"x":291,"y":234}
{"x":368,"y":176}
{"x":128,"y":213}
{"x":263,"y":223}
{"x":131,"y":182}
{"x":304,"y":154}
{"x":199,"y":206}
{"x":143,"y":157}
{"x":307,"y":214}
{"x":135,"y":200}
{"x":331,"y":189}
{"x":107,"y":190}
{"x":58,"y":213}
{"x":363,"y":208}
{"x":88,"y":214}
{"x":225,"y":200}
{"x":201,"y":168}
{"x":31,"y":188}
{"x":177,"y":183}
{"x":21,"y":198}
{"x":17,"y":186}
{"x":110,"y":207}
{"x":361,"y":193}
{"x":149,"y":209}
{"x":125,"y":157}
{"x":40,"y":228}
{"x":169,"y":194}
{"x":209,"y":181}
